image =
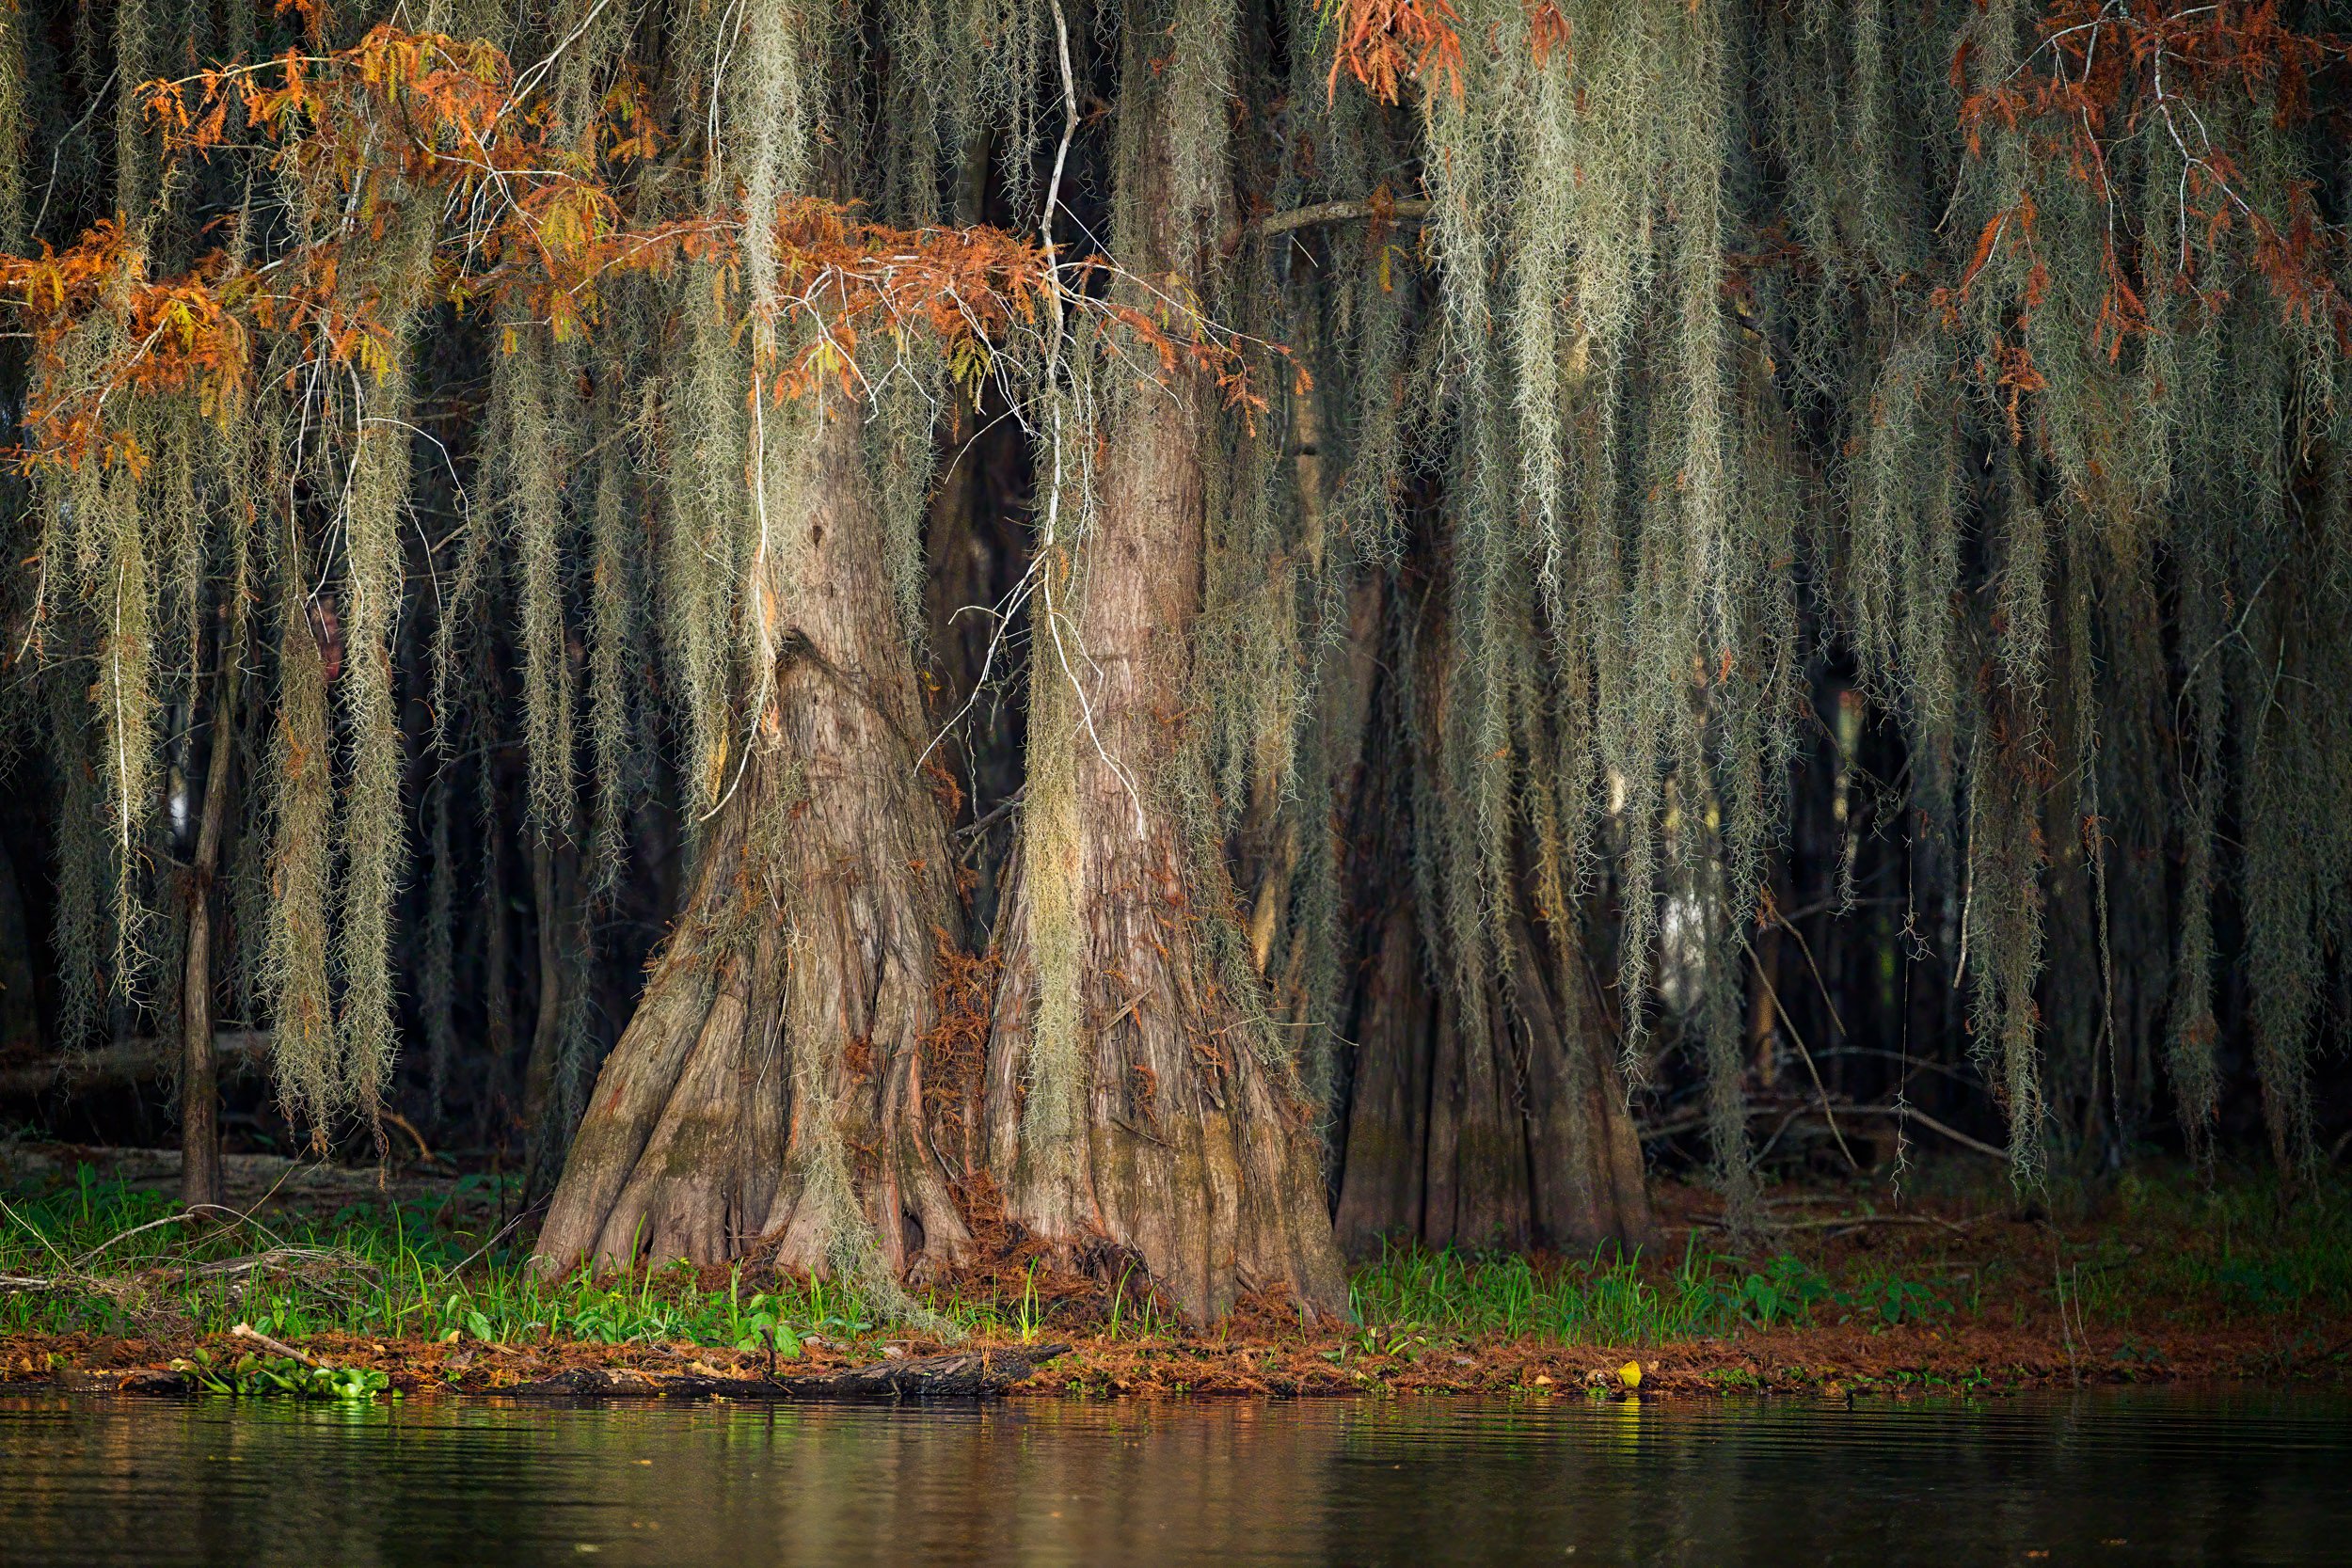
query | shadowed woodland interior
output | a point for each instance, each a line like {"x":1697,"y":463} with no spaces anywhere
{"x":1206,"y":630}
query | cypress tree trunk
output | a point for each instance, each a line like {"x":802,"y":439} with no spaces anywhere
{"x":199,"y":1064}
{"x":1503,"y":1124}
{"x":555,"y":897}
{"x":771,"y":1093}
{"x":1131,"y":1108}
{"x":1513,"y":1133}
{"x":1384,"y":1161}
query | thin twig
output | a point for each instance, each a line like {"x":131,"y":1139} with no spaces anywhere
{"x":997,"y":812}
{"x":1913,"y":1112}
{"x":1798,"y":1041}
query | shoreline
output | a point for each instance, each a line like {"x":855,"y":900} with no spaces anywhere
{"x":2153,"y":1280}
{"x":1830,"y":1361}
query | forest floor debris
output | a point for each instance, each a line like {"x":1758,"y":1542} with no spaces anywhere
{"x":103,"y":1285}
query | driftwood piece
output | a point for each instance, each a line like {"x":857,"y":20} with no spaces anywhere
{"x":246,"y":1331}
{"x":128,"y":1379}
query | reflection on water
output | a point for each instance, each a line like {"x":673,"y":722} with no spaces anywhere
{"x":2110,"y":1478}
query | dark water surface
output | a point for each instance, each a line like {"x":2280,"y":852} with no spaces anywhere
{"x":2104,"y":1479}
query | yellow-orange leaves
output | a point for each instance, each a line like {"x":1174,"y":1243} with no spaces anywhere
{"x":179,"y":334}
{"x":1384,"y":43}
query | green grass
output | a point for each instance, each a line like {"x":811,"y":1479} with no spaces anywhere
{"x":1605,"y":1298}
{"x":413,"y":1270}
{"x":445,"y":1270}
{"x":1612,"y":1298}
{"x":2238,"y":1247}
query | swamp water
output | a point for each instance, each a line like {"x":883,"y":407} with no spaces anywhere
{"x":2115,"y":1477}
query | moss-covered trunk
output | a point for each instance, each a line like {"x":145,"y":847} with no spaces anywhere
{"x":1135,"y":1104}
{"x":771,"y":1095}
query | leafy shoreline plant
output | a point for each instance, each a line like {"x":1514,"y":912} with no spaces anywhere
{"x":254,"y":1376}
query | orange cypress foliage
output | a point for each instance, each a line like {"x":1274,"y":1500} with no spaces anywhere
{"x":406,"y":116}
{"x":2104,"y":73}
{"x":1384,"y":43}
{"x":182,"y":334}
{"x":1548,"y":31}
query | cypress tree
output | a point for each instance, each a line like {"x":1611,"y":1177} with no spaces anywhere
{"x":1212,"y":628}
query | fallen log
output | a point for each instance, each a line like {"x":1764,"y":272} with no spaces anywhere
{"x":959,"y":1374}
{"x":131,"y":1061}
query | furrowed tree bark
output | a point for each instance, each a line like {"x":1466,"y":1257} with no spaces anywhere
{"x":1134,"y":1110}
{"x":1516,"y":1134}
{"x":555,"y":897}
{"x":1506,"y":1129}
{"x":1383,"y":1165}
{"x":768,"y":1097}
{"x":199,"y":1064}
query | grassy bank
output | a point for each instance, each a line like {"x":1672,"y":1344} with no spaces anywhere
{"x":426,"y":1282}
